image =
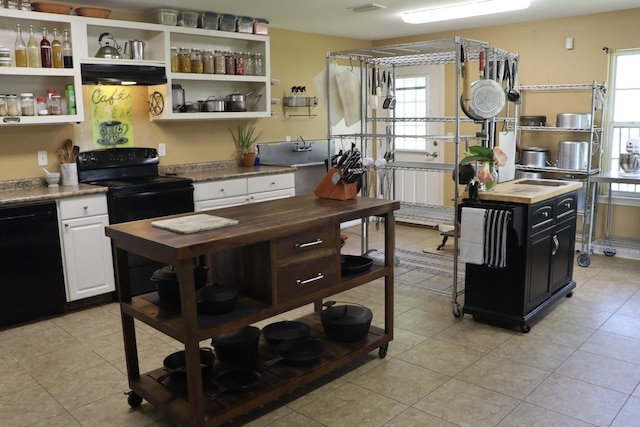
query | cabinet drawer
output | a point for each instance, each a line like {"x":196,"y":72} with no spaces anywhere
{"x":219,"y":189}
{"x":541,"y":216}
{"x":259,"y":184}
{"x":78,"y":207}
{"x":312,"y":241}
{"x":566,"y":205}
{"x":300,"y":279}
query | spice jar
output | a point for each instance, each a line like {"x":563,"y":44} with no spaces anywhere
{"x":196,"y":61}
{"x":238,"y":60}
{"x":175,"y":67}
{"x":208,"y":61}
{"x":184,"y":60}
{"x":3,"y":105}
{"x":229,"y":63}
{"x":220,"y":66}
{"x":26,"y":104}
{"x":12,"y":105}
{"x":56,"y":104}
{"x":41,"y":107}
{"x":249,"y":64}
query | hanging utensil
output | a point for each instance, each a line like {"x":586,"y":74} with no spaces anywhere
{"x":513,"y":95}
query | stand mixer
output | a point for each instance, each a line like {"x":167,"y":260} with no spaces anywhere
{"x":630,"y":161}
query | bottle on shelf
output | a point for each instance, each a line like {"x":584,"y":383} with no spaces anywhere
{"x":67,"y":53}
{"x":33,"y":50}
{"x":71,"y":100}
{"x":20,"y":48}
{"x":56,"y":50}
{"x":45,"y":50}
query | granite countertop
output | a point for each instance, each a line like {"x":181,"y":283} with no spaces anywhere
{"x":519,"y":191}
{"x":35,"y":189}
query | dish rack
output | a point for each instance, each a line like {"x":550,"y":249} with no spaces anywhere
{"x":308,"y":102}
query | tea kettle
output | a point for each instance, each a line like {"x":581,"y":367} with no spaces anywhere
{"x":109,"y":49}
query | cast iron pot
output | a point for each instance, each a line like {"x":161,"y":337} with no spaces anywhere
{"x":287,"y":330}
{"x":216,"y":299}
{"x":167,"y":284}
{"x":238,"y":348}
{"x":175,"y":365}
{"x":345,"y":322}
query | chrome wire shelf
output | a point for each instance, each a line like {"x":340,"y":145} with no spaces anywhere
{"x":617,"y":244}
{"x":557,"y":129}
{"x":432,"y":213}
{"x":442,"y":167}
{"x":563,"y":87}
{"x":555,"y":169}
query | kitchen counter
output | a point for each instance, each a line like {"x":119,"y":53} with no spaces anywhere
{"x":216,"y":174}
{"x":517,"y":191}
{"x":25,"y":194}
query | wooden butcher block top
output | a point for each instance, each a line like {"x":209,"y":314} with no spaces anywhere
{"x":527,"y":190}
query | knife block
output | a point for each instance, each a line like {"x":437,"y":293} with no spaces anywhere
{"x":333,"y":186}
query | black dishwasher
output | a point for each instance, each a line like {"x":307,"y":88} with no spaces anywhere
{"x":31,"y":277}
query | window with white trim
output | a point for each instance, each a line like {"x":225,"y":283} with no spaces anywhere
{"x":624,"y":113}
{"x":412,"y":99}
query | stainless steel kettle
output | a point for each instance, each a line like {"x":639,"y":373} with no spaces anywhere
{"x":108,"y":47}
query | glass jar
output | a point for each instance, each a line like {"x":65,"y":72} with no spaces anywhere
{"x":3,"y":105}
{"x":220,"y":66}
{"x":196,"y":61}
{"x":208,"y":61}
{"x":12,"y":105}
{"x":41,"y":107}
{"x":229,"y":63}
{"x":11,"y":4}
{"x":175,"y":67}
{"x":259,"y":64}
{"x":24,"y":5}
{"x":250,"y":64}
{"x":56,"y":104}
{"x":238,"y":60}
{"x":184,"y":60}
{"x":26,"y":104}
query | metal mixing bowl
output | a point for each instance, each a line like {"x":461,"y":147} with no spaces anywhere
{"x":630,"y":162}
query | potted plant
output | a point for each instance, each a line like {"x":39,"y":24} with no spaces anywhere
{"x":245,"y":137}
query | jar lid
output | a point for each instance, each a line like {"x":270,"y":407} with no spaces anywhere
{"x":41,"y":99}
{"x":56,"y":95}
{"x":246,"y":18}
{"x":4,"y":49}
{"x":12,"y":94}
{"x":26,"y":94}
{"x":262,"y":20}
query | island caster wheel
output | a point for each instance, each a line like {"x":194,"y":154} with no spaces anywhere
{"x":584,"y":260}
{"x":457,"y":313}
{"x":569,"y":295}
{"x":609,"y":253}
{"x":382,"y":351}
{"x":525,"y":329}
{"x":133,"y":399}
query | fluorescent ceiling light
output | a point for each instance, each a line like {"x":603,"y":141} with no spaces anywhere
{"x":464,"y":10}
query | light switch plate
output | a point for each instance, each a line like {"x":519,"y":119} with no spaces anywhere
{"x":42,"y":158}
{"x":162,"y":149}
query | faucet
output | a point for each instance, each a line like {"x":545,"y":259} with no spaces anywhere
{"x":302,"y":147}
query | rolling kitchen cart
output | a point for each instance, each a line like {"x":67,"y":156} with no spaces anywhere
{"x":283,"y":254}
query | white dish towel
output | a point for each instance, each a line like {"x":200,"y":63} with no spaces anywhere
{"x":472,"y":235}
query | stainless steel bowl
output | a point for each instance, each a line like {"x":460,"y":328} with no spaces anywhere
{"x":573,"y":120}
{"x":630,"y":162}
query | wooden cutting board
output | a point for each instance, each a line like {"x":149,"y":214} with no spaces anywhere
{"x":194,"y":223}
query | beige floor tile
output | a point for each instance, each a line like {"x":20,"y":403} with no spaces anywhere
{"x":115,"y":411}
{"x":423,"y":322}
{"x":350,"y":405}
{"x":558,"y":332}
{"x":86,"y":386}
{"x":614,"y":346}
{"x":578,"y":399}
{"x":401,"y":381}
{"x":601,"y":370}
{"x":504,"y":376}
{"x":618,"y":284}
{"x":629,"y":415}
{"x":402,"y":341}
{"x":527,"y":415}
{"x":31,"y":328}
{"x":91,"y":323}
{"x":597,"y":300}
{"x":14,"y":377}
{"x":474,"y":335}
{"x":467,"y":404}
{"x":26,"y":407}
{"x":62,"y":362}
{"x":413,"y":417}
{"x":64,"y":420}
{"x":440,"y":356}
{"x":530,"y":351}
{"x":631,"y":307}
{"x":292,"y":419}
{"x":576,"y":314}
{"x":623,"y":325}
{"x":35,"y":343}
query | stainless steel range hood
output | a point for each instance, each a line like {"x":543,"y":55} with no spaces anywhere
{"x":144,"y":75}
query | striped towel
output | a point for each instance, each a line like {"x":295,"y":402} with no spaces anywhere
{"x":495,"y":232}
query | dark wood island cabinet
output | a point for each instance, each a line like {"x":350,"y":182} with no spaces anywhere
{"x":270,"y":255}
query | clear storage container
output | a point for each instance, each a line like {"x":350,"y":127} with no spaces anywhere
{"x":245,"y":24}
{"x":27,"y":107}
{"x":208,"y":20}
{"x":164,"y":16}
{"x":188,"y":19}
{"x":260,"y":26}
{"x":227,"y":22}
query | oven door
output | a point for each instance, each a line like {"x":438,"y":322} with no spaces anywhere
{"x":132,"y":206}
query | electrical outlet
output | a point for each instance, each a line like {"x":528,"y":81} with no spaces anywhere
{"x":162,"y":149}
{"x":43,"y":160}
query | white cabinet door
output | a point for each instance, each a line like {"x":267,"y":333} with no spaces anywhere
{"x":220,"y":203}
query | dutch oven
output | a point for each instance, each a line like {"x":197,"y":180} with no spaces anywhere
{"x":287,"y":330}
{"x":167,"y":284}
{"x":239,"y":347}
{"x":534,"y":156}
{"x":175,"y":365}
{"x":216,"y":299}
{"x":345,"y":322}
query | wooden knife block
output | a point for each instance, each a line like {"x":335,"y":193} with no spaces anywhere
{"x":333,"y":186}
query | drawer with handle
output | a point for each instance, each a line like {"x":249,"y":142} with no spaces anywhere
{"x":317,"y":241}
{"x":295,"y":280}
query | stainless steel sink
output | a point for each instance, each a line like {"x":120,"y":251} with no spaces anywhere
{"x":541,"y":182}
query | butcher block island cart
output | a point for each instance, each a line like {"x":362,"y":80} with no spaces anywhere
{"x":281,"y":255}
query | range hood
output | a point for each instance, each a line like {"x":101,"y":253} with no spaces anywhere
{"x":144,"y":75}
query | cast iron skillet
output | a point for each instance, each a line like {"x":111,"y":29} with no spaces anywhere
{"x":175,"y":364}
{"x":275,"y":333}
{"x":302,"y":352}
{"x":235,"y":380}
{"x":353,"y":264}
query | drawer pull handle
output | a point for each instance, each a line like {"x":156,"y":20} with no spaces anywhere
{"x":556,"y":244}
{"x":306,"y":245}
{"x":85,"y":207}
{"x":545,"y":214}
{"x":313,"y":279}
{"x":567,"y":205}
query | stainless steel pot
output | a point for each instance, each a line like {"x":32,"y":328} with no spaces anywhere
{"x":573,"y":120}
{"x":108,"y":47}
{"x":573,"y":155}
{"x":534,"y":156}
{"x":213,"y":105}
{"x":237,"y":101}
{"x":530,"y":175}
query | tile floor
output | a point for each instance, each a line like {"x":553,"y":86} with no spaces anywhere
{"x":579,"y":366}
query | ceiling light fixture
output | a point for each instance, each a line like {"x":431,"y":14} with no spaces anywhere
{"x":367,"y":7}
{"x":464,"y":10}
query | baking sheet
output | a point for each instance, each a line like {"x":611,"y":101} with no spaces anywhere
{"x":194,"y":223}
